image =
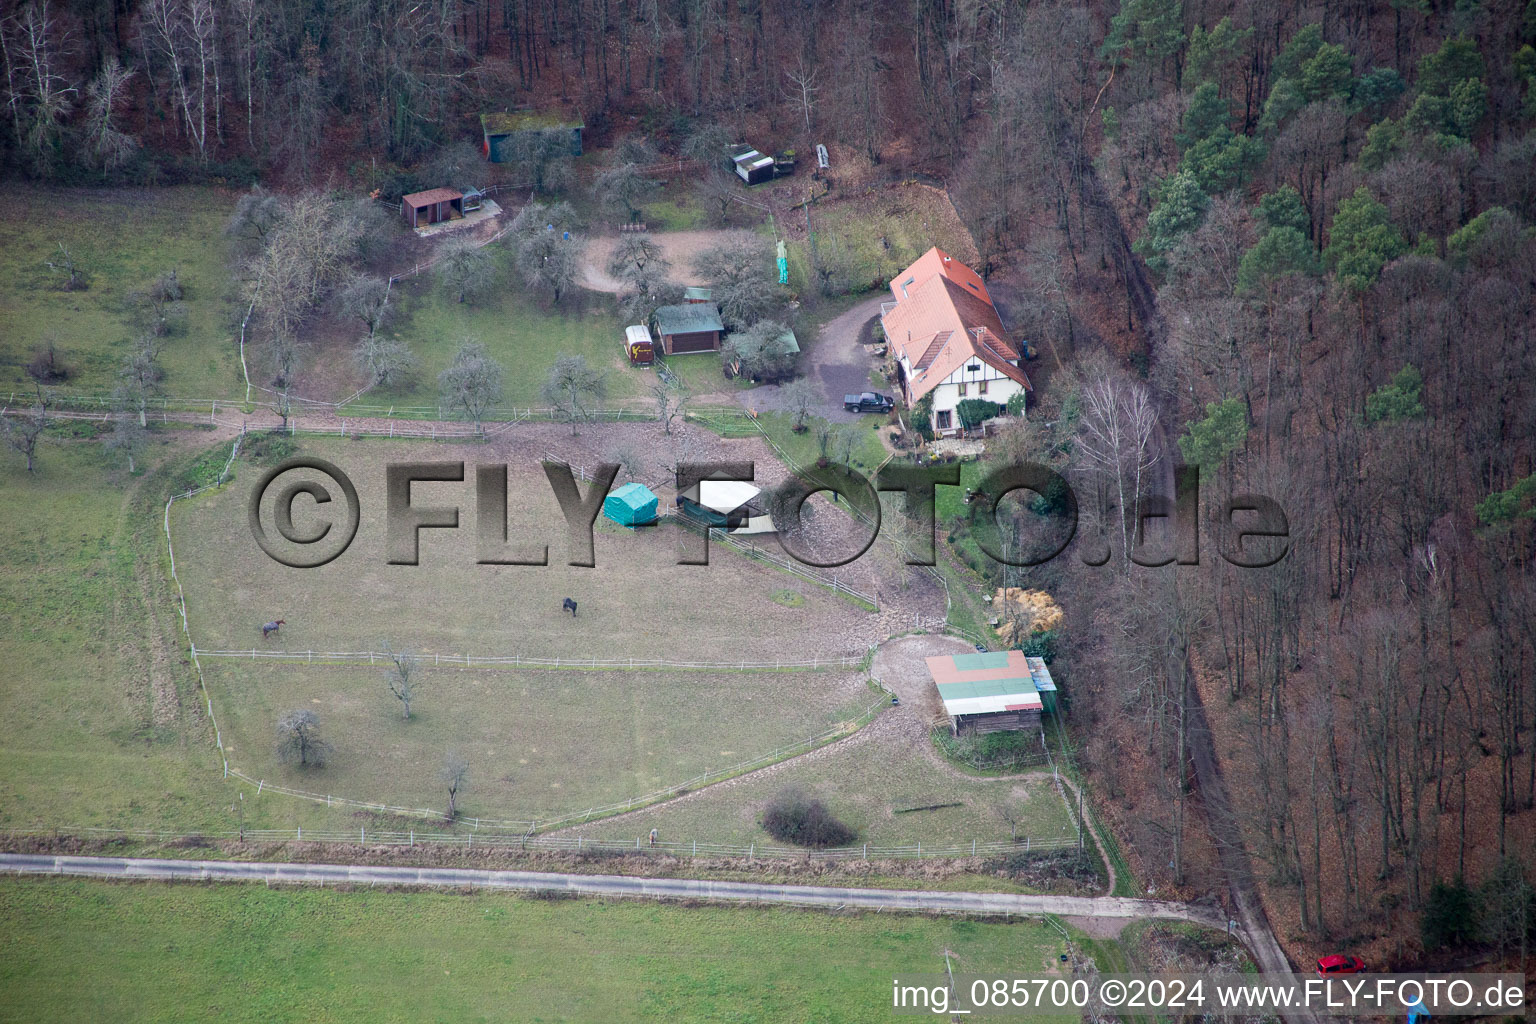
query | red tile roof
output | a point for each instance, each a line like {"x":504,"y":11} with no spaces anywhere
{"x":943,"y":318}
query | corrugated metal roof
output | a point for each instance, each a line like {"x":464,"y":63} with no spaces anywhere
{"x":689,"y":318}
{"x":431,"y":196}
{"x":698,"y":293}
{"x":987,"y":683}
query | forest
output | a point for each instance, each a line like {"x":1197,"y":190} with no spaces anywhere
{"x":1289,"y":244}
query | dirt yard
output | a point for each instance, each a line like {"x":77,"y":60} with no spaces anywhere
{"x":680,"y":247}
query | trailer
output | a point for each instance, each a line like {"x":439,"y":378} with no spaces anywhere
{"x":638,"y":345}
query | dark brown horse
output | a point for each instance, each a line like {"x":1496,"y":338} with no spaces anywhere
{"x":271,"y":627}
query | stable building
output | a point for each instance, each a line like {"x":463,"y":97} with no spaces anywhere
{"x":994,"y":691}
{"x":431,"y":207}
{"x":689,"y":327}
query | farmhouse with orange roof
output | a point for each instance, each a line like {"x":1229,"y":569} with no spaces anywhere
{"x":948,"y":340}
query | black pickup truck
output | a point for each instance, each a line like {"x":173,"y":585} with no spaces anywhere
{"x":869,"y":401}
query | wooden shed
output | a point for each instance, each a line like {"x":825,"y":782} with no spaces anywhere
{"x":431,"y":206}
{"x":995,"y":691}
{"x":689,"y":327}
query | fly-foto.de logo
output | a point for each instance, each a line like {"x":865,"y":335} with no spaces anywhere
{"x":1251,"y":530}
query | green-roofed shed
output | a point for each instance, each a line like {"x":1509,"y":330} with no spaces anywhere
{"x":993,"y":691}
{"x":689,"y":327}
{"x":501,"y":130}
{"x":698,"y":293}
{"x":631,"y":505}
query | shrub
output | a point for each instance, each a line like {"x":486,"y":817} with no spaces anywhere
{"x":795,"y":817}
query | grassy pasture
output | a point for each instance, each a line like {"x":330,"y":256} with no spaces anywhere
{"x":124,"y":238}
{"x":871,"y":782}
{"x":540,"y":744}
{"x":523,"y":334}
{"x":79,"y":950}
{"x":103,"y":723}
{"x":637,"y":602}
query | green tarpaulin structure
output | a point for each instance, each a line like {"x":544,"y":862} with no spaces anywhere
{"x":631,"y":505}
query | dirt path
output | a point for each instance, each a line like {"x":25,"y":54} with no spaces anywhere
{"x":680,"y":247}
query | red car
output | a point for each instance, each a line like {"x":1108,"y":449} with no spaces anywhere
{"x":1339,"y":964}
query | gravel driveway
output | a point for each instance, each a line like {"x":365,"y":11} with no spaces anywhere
{"x":834,"y":362}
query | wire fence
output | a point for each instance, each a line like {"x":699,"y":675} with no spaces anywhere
{"x":524,"y":661}
{"x":181,"y":597}
{"x":575,"y":844}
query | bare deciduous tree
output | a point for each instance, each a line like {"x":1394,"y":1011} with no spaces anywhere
{"x":575,"y":390}
{"x":299,"y":740}
{"x":1116,"y":435}
{"x":24,"y":430}
{"x":402,"y":677}
{"x":472,"y":384}
{"x":455,"y":774}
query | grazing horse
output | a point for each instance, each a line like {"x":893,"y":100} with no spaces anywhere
{"x":570,"y":606}
{"x":271,"y":627}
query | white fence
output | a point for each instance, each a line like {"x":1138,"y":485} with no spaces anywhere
{"x":579,"y":845}
{"x":525,"y":661}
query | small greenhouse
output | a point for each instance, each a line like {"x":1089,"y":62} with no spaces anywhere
{"x":631,"y":505}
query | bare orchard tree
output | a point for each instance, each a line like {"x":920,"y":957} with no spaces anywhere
{"x":139,"y":379}
{"x":799,"y":398}
{"x":299,"y":740}
{"x":366,"y":299}
{"x":638,"y":259}
{"x":387,"y":361}
{"x":24,"y":430}
{"x":740,"y":270}
{"x":1116,"y":434}
{"x":257,"y":213}
{"x":455,"y":774}
{"x":671,"y":397}
{"x":402,"y":676}
{"x":472,"y":384}
{"x":127,"y":437}
{"x":575,"y":390}
{"x":465,"y":269}
{"x":547,"y":262}
{"x":623,"y":189}
{"x":106,"y":144}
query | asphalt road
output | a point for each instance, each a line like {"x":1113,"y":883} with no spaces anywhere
{"x":603,"y":885}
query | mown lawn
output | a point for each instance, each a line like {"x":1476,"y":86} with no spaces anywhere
{"x":124,"y":238}
{"x":78,"y":950}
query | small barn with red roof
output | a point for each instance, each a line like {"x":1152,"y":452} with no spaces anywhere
{"x":948,"y":340}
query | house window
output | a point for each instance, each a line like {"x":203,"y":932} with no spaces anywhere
{"x":962,"y":389}
{"x":981,"y":387}
{"x":973,"y":368}
{"x":942,"y":419}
